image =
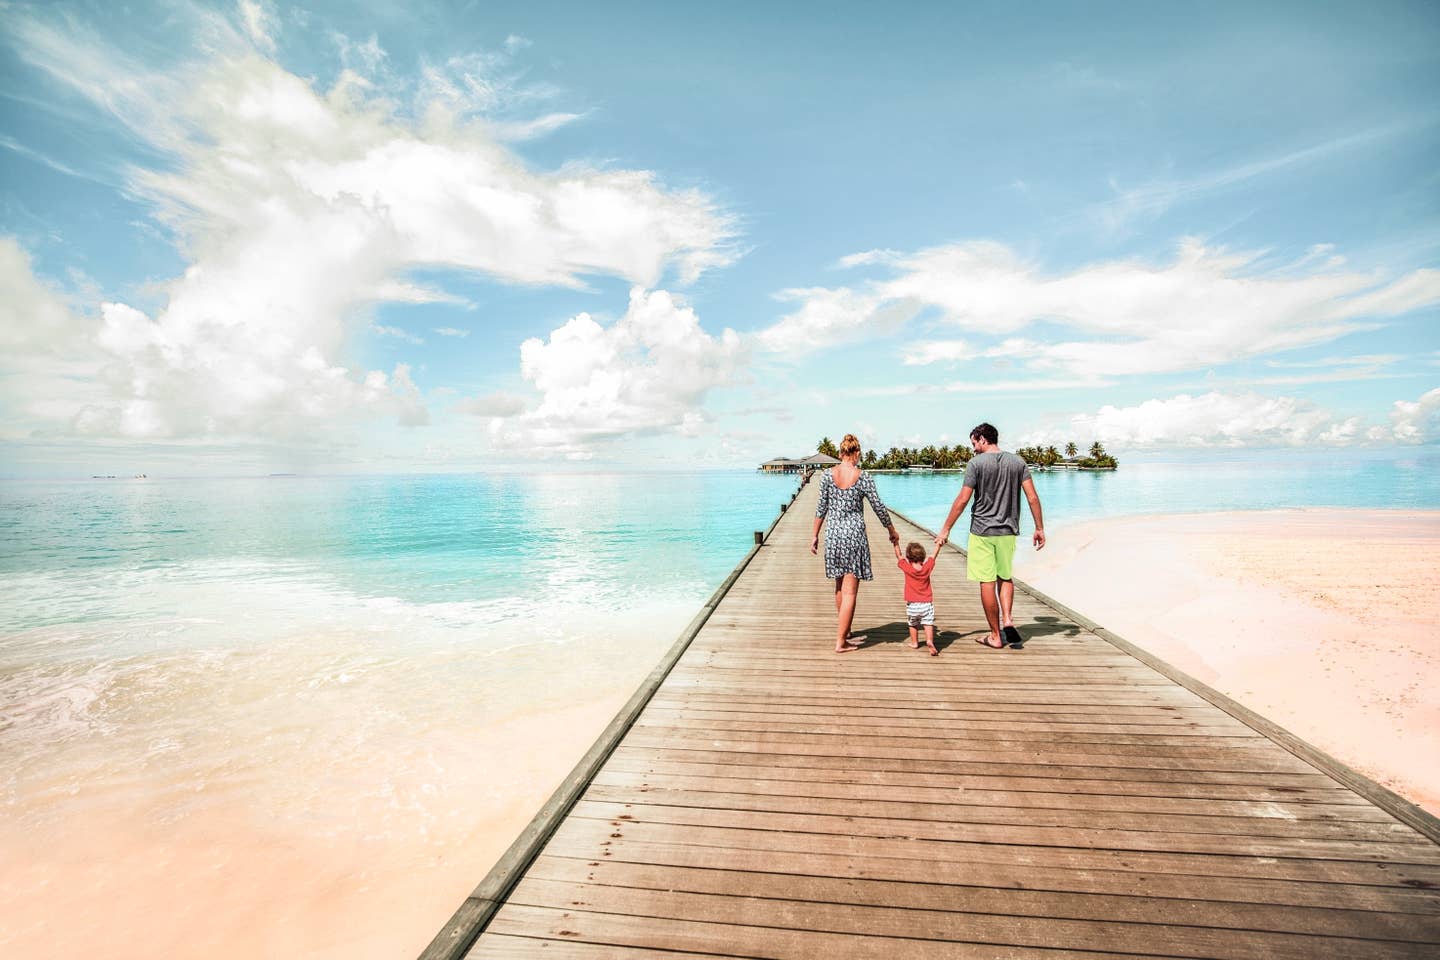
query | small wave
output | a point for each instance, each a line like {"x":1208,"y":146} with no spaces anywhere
{"x":53,"y":705}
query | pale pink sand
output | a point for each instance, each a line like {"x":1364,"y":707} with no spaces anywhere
{"x":247,"y":840}
{"x":1326,"y":621}
{"x":236,"y":881}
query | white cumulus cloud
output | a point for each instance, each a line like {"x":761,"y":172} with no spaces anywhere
{"x":1417,"y":421}
{"x":649,"y":372}
{"x":1244,"y":419}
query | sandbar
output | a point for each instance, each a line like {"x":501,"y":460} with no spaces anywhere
{"x":1324,"y":620}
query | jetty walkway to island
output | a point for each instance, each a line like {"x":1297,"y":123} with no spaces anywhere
{"x":761,"y":796}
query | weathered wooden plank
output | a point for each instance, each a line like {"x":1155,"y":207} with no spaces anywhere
{"x":1167,"y":891}
{"x":932,"y":803}
{"x":1078,"y":838}
{"x":922,"y":718}
{"x":735,"y":940}
{"x":1074,"y":755}
{"x":733,"y":751}
{"x":500,"y":946}
{"x":956,"y":734}
{"x":1136,"y":865}
{"x":1334,"y":803}
{"x":1148,"y":712}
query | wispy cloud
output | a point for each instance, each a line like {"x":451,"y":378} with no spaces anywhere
{"x":984,"y":385}
{"x":396,"y":332}
{"x":923,"y":353}
{"x":1148,"y":201}
{"x":15,"y":146}
{"x":259,"y":21}
{"x":1375,"y":366}
{"x":1206,"y":307}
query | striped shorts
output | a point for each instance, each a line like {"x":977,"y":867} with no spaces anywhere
{"x":920,"y":614}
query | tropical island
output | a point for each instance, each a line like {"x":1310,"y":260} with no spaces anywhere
{"x":931,"y":457}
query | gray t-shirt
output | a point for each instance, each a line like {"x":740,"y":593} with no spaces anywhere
{"x":996,"y":478}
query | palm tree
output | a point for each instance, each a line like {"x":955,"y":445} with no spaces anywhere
{"x":827,"y":447}
{"x":1097,"y":450}
{"x":1071,"y":450}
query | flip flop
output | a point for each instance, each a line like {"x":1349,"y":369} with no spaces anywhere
{"x":1013,"y":638}
{"x":985,"y":642}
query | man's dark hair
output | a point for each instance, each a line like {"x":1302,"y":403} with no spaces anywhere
{"x":986,"y":432}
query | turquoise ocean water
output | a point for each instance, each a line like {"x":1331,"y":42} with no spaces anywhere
{"x":96,"y":571}
{"x":70,"y":550}
{"x":321,"y":648}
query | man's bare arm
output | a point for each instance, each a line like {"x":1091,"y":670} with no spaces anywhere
{"x":956,"y":508}
{"x":1034,"y":499}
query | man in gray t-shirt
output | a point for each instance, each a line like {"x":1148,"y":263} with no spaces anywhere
{"x":995,"y":479}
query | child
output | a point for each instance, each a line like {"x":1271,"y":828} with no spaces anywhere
{"x":919,"y":600}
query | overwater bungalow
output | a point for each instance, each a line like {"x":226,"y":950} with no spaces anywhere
{"x":816,"y":461}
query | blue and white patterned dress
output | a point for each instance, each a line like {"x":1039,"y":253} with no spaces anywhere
{"x":846,"y":548}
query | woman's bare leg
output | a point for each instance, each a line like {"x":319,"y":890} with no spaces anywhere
{"x":849,"y":586}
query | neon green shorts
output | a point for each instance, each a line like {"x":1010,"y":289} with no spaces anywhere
{"x":990,"y":558}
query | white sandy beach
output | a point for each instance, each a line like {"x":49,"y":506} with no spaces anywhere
{"x":1326,"y":621}
{"x":352,"y":827}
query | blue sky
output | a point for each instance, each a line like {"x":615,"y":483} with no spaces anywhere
{"x":391,"y":236}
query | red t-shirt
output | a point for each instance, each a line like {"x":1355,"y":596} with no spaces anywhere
{"x":917,"y":582}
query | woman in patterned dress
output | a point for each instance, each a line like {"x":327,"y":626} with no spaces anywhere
{"x":843,"y":490}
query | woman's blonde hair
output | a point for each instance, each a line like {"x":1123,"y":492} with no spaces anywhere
{"x":849,"y":446}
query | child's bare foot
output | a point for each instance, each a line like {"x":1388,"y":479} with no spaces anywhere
{"x":933,"y":651}
{"x":914,"y":644}
{"x":847,"y":647}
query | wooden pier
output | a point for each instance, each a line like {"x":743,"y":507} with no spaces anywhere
{"x":762,"y":796}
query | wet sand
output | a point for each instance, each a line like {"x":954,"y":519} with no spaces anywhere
{"x":1326,"y":621}
{"x":321,"y":802}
